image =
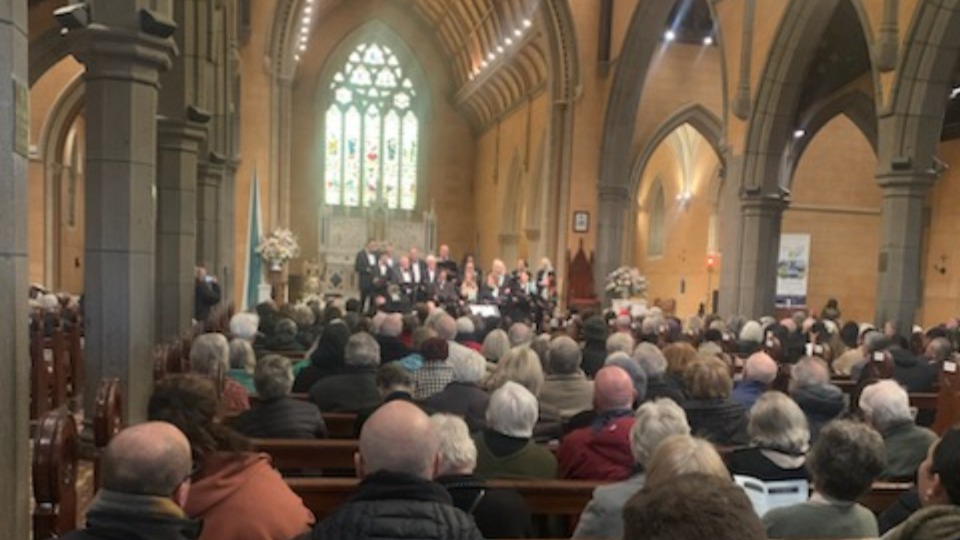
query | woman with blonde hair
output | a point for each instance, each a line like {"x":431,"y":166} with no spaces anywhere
{"x":520,"y":365}
{"x":710,"y":410}
{"x":683,"y":454}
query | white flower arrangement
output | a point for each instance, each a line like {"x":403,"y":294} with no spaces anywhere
{"x":626,"y":282}
{"x":279,"y":247}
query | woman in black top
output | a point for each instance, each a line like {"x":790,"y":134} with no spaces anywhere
{"x":779,"y":440}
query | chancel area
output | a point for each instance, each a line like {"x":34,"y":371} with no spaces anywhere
{"x":276,"y":269}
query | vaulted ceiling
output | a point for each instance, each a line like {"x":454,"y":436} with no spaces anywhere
{"x":496,"y":50}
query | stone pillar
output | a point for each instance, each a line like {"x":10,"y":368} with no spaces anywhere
{"x":14,"y":345}
{"x":210,"y":180}
{"x":227,"y":234}
{"x":614,"y":201}
{"x":761,"y":217}
{"x":122,"y":71}
{"x":901,"y":232}
{"x":179,"y":143}
{"x":729,"y":219}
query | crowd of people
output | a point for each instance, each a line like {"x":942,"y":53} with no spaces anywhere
{"x":668,"y":415}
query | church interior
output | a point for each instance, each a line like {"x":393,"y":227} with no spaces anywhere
{"x":683,"y":138}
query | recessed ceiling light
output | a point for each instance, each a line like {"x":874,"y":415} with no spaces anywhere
{"x":499,"y":48}
{"x":517,"y":32}
{"x":527,"y":23}
{"x":508,"y":41}
{"x":491,"y":56}
{"x":798,"y":134}
{"x":669,"y":35}
{"x":708,"y":41}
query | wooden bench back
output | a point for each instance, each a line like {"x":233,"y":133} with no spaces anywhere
{"x":56,"y":450}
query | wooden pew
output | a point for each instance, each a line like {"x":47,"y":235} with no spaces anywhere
{"x":300,"y":454}
{"x":107,"y":419}
{"x":56,"y":449}
{"x":340,"y":424}
{"x":545,"y":497}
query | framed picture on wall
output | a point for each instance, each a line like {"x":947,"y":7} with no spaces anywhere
{"x":581,"y":222}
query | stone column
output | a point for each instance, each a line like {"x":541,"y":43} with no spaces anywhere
{"x":614,"y":201}
{"x":210,"y":180}
{"x":122,"y":71}
{"x":14,"y":345}
{"x":176,"y":224}
{"x":901,"y":232}
{"x":227,"y":234}
{"x":761,"y":217}
{"x":729,"y":219}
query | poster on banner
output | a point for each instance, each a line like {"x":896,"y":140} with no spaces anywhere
{"x":793,"y":268}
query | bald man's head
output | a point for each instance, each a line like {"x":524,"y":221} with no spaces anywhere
{"x":152,"y":458}
{"x":613,"y":389}
{"x":399,"y":438}
{"x":760,"y":367}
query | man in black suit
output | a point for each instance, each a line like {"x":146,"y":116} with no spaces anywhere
{"x":383,"y":275}
{"x":444,"y":262}
{"x":365,"y":267}
{"x":417,"y":266}
{"x":404,"y":276}
{"x":431,"y":276}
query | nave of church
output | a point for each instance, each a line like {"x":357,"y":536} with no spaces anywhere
{"x":746,"y":157}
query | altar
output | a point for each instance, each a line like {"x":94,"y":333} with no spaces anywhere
{"x":345,"y":231}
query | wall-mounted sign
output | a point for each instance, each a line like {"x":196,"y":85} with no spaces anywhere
{"x":581,"y":222}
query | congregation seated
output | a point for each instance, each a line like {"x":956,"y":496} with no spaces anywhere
{"x":679,"y":356}
{"x":398,"y":460}
{"x":654,"y":365}
{"x":938,"y":479}
{"x":284,"y":337}
{"x":464,"y":396}
{"x":210,"y":357}
{"x":566,"y":387}
{"x":779,"y":440}
{"x":843,"y":464}
{"x":522,"y":365}
{"x":844,"y":364}
{"x":276,"y":415}
{"x":601,"y":451}
{"x":236,"y":493}
{"x":520,"y":334}
{"x":620,"y":342}
{"x":394,"y":383}
{"x":810,"y":387}
{"x":354,"y":387}
{"x":655,"y":421}
{"x":388,"y":337}
{"x":692,"y":507}
{"x":305,"y":316}
{"x":244,"y":325}
{"x":414,"y":361}
{"x":506,"y":447}
{"x":595,"y":335}
{"x":749,"y":338}
{"x":498,"y":513}
{"x":466,"y":333}
{"x":759,"y":372}
{"x":710,"y":411}
{"x":446,"y":328}
{"x":886,"y":407}
{"x":638,"y":377}
{"x":327,"y":358}
{"x":145,"y":483}
{"x":242,"y":362}
{"x":495,"y":345}
{"x":436,"y":372}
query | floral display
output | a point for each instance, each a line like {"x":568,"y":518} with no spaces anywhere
{"x":626,"y":282}
{"x":279,"y":247}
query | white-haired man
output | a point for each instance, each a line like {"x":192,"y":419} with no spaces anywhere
{"x":446,"y":328}
{"x":759,"y":373}
{"x":819,"y":400}
{"x":655,"y":421}
{"x":499,"y":513}
{"x":398,"y":459}
{"x":388,"y":337}
{"x":886,"y":407}
{"x":506,"y":447}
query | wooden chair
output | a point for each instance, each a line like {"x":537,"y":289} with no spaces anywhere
{"x":56,"y":449}
{"x":580,"y":289}
{"x":107,"y":419}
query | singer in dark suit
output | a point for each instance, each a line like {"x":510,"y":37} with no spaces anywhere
{"x":365,"y":267}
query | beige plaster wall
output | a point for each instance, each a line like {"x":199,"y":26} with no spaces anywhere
{"x":836,"y":200}
{"x":941,"y":291}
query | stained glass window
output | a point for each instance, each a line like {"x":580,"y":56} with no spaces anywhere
{"x":371,"y":135}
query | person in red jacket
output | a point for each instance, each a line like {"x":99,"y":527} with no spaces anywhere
{"x":601,"y":451}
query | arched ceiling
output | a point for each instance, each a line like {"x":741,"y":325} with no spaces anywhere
{"x":496,"y":49}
